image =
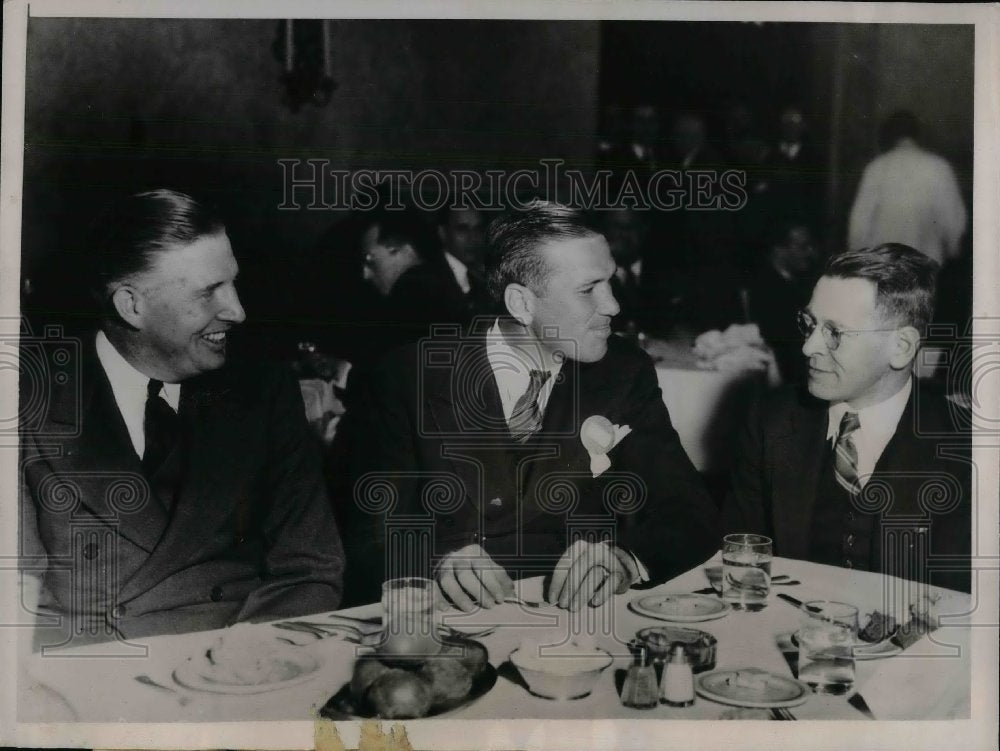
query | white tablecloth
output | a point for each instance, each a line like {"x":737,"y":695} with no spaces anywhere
{"x":705,"y":406}
{"x":930,"y":679}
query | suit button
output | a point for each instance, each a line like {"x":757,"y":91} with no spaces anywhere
{"x":90,"y":551}
{"x":847,"y":563}
{"x":119,"y":611}
{"x":849,"y":541}
{"x":216,"y":594}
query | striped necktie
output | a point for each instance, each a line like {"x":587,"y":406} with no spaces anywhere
{"x":845,"y":454}
{"x":526,"y":418}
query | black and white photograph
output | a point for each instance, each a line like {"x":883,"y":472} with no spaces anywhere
{"x":546,"y":376}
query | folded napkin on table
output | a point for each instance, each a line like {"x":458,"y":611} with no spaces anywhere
{"x":928,"y":680}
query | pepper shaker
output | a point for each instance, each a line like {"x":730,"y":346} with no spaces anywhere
{"x":677,"y":684}
{"x":640,"y":690}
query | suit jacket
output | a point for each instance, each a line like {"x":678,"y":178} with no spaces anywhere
{"x":920,"y":491}
{"x":441,"y":459}
{"x":250,"y":536}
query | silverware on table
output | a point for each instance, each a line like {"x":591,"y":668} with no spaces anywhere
{"x":797,"y":602}
{"x":857,"y":701}
{"x":515,"y":600}
{"x":789,"y":583}
{"x":147,"y":681}
{"x":780,"y":713}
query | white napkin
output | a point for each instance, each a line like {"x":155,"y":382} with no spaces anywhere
{"x":925,"y":682}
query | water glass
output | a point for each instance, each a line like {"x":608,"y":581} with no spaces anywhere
{"x":408,"y":623}
{"x":746,"y":571}
{"x":828,"y":633}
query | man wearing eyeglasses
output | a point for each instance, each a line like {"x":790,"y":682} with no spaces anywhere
{"x":864,"y":468}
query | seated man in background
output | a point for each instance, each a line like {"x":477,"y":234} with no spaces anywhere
{"x":461,"y":233}
{"x":870,"y":469}
{"x":538,"y":444}
{"x":168,"y":490}
{"x":780,"y":288}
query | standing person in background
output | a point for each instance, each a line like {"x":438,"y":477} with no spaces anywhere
{"x":461,"y":232}
{"x":908,"y":195}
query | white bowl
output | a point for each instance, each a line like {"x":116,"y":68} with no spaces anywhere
{"x":561,"y":676}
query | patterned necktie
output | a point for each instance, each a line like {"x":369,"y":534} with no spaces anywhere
{"x":845,"y":454}
{"x":526,"y":419}
{"x":160,"y":424}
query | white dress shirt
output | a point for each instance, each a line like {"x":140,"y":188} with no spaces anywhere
{"x":512,"y":370}
{"x":460,"y":272}
{"x":129,"y":387}
{"x":878,"y":424}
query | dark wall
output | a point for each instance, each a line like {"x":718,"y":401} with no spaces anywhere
{"x":121,"y":104}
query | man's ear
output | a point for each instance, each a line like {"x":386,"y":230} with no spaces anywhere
{"x":905,"y":346}
{"x":520,"y":303}
{"x":127,"y":304}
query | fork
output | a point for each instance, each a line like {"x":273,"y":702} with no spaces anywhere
{"x":780,"y":713}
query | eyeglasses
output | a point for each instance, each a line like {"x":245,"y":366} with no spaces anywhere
{"x":831,"y":334}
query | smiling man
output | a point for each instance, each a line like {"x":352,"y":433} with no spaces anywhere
{"x":868,"y":468}
{"x":536,"y":444}
{"x":169,"y":490}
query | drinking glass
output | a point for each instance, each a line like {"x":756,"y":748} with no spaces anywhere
{"x":409,"y":628}
{"x":746,"y":571}
{"x":828,"y":633}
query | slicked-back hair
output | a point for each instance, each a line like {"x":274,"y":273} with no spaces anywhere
{"x":513,"y":242}
{"x":905,"y":281}
{"x":131,"y":232}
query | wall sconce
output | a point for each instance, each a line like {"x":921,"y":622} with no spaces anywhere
{"x":304,"y":49}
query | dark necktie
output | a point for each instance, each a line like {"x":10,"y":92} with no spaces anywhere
{"x":161,"y":427}
{"x":526,"y":418}
{"x":845,"y":454}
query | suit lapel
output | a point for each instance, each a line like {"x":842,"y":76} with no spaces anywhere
{"x":211,"y":421}
{"x":798,"y":459}
{"x":102,"y":458}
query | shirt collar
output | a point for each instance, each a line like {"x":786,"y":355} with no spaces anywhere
{"x":127,"y":382}
{"x":876,"y":420}
{"x":460,"y":270}
{"x":498,"y":350}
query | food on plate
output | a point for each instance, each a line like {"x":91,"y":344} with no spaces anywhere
{"x":471,"y":654}
{"x":242,"y":658}
{"x":568,"y":658}
{"x":399,"y":694}
{"x":878,"y":628}
{"x":384,"y":685}
{"x":367,"y":669}
{"x":447,"y":678}
{"x":752,"y":679}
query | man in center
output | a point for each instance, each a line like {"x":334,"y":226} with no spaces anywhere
{"x":537,"y":443}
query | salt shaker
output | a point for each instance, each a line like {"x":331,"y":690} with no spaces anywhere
{"x":677,"y":684}
{"x":639,"y":690}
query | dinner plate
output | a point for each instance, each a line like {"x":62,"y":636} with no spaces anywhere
{"x":752,"y":687}
{"x":680,"y":608}
{"x":864,"y":650}
{"x":341,"y":706}
{"x":289,"y":668}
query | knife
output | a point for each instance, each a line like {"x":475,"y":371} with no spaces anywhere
{"x":798,"y":603}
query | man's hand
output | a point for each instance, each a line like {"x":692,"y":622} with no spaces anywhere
{"x":589,"y":573}
{"x":469,"y":577}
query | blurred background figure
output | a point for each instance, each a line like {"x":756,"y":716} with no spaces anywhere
{"x":461,"y":231}
{"x":626,"y":232}
{"x":908,"y":195}
{"x":780,"y":287}
{"x":797,"y":167}
{"x":404,"y":263}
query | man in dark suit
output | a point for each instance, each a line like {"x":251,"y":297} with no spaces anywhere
{"x":780,"y":287}
{"x":537,"y":444}
{"x":404,"y":262}
{"x":870,"y":469}
{"x":167,"y":490}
